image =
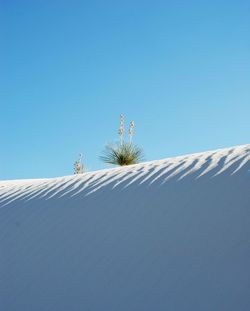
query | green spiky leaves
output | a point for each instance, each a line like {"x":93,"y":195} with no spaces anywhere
{"x":123,"y":154}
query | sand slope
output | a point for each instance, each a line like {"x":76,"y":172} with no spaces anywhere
{"x":172,"y":234}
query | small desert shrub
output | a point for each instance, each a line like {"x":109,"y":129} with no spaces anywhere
{"x":123,"y":154}
{"x":78,"y":167}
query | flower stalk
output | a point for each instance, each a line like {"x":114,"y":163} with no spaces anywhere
{"x":130,"y":131}
{"x":121,"y":128}
{"x":78,"y":167}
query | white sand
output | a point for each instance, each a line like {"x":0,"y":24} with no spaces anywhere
{"x":170,"y":235}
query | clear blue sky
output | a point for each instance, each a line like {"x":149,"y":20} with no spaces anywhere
{"x":179,"y":69}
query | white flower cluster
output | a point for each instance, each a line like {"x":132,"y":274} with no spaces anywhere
{"x":121,"y":129}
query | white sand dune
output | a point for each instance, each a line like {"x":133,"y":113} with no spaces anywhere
{"x":172,"y":234}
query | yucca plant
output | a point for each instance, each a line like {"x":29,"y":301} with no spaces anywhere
{"x":124,"y":153}
{"x":78,"y":167}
